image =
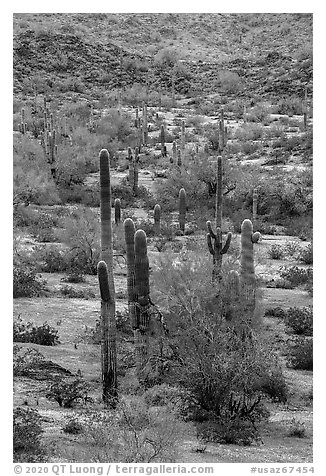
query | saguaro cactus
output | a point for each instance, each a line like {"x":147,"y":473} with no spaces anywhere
{"x":254,"y":206}
{"x":179,"y":160}
{"x":182,"y":209}
{"x":23,"y":125}
{"x":108,"y":347}
{"x":183,"y":139}
{"x":217,"y":249}
{"x":129,"y":229}
{"x":145,"y":127}
{"x":174,"y":151}
{"x":163,"y":147}
{"x":117,"y":211}
{"x":157,"y":219}
{"x":247,"y":270}
{"x":142,"y":292}
{"x":109,"y":373}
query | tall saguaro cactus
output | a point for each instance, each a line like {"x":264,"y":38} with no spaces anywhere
{"x":183,"y":139}
{"x":109,"y":371}
{"x":117,"y":211}
{"x":214,"y":240}
{"x":145,"y":127}
{"x":157,"y":219}
{"x":108,"y":347}
{"x":182,"y":209}
{"x":23,"y":125}
{"x":129,"y":229}
{"x":143,"y":299}
{"x":163,"y":146}
{"x":254,"y":206}
{"x":247,"y":270}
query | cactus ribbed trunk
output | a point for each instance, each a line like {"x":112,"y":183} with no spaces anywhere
{"x":142,"y":291}
{"x":157,"y":219}
{"x":214,"y":240}
{"x":117,"y":211}
{"x":219,"y":194}
{"x":163,"y":148}
{"x":182,"y":209}
{"x":254,"y":207}
{"x":129,"y":229}
{"x":109,"y":358}
{"x":247,"y":268}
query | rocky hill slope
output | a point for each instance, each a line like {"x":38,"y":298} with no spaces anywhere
{"x":265,"y":55}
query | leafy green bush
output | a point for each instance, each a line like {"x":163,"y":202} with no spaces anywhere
{"x":27,"y":432}
{"x":300,"y":320}
{"x":297,"y":429}
{"x":300,"y":354}
{"x":29,"y":332}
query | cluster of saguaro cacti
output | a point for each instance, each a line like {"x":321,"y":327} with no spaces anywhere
{"x":138,"y":291}
{"x":106,"y":282}
{"x":22,"y":125}
{"x":214,"y":240}
{"x":157,"y":219}
{"x":182,"y":209}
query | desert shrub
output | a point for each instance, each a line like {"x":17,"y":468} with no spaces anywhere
{"x":82,"y":232}
{"x":249,"y":147}
{"x":275,"y":312}
{"x":231,"y":429}
{"x":27,"y":432}
{"x":289,"y":106}
{"x":26,"y":282}
{"x":295,"y":275}
{"x":306,"y":254}
{"x":29,"y":332}
{"x":296,"y":429}
{"x":72,"y":426}
{"x":300,"y":320}
{"x":74,"y":276}
{"x":275,"y":252}
{"x":274,"y":385}
{"x":51,"y":259}
{"x":67,"y":391}
{"x":291,"y":248}
{"x":249,"y":132}
{"x":258,"y":113}
{"x":229,"y":81}
{"x":134,"y":433}
{"x":300,"y":353}
{"x":42,"y":227}
{"x":218,"y":359}
{"x":25,"y":360}
{"x":70,"y":292}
